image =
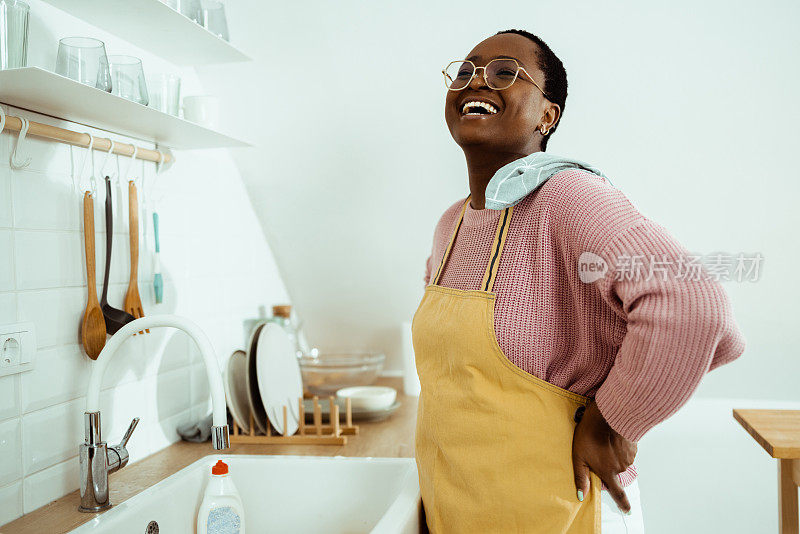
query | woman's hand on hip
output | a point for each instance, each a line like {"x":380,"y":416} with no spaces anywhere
{"x":599,"y":448}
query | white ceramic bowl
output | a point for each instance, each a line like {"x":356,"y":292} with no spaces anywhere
{"x":368,"y":397}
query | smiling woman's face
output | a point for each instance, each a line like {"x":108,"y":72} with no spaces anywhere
{"x":521,"y":108}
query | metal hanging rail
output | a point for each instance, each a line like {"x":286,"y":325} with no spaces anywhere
{"x":82,"y":139}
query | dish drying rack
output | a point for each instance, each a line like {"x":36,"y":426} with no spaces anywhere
{"x":334,"y":433}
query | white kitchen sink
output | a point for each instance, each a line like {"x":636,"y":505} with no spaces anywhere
{"x":298,"y":494}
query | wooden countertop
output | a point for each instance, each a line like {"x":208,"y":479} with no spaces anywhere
{"x":778,"y":431}
{"x":392,"y":437}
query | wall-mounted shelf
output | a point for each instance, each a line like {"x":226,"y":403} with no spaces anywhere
{"x":48,"y":93}
{"x":155,"y":27}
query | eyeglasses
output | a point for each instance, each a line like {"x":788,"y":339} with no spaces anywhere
{"x":498,"y":74}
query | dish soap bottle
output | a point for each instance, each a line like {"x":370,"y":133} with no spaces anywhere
{"x":221,"y":511}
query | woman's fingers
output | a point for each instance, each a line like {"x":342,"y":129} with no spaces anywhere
{"x":616,"y":491}
{"x":581,"y":477}
{"x":599,"y":448}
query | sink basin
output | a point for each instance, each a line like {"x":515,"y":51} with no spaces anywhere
{"x":298,"y":494}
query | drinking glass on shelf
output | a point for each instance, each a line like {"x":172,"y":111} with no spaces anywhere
{"x":84,"y":60}
{"x":192,"y":9}
{"x":189,"y":8}
{"x":13,"y":34}
{"x":202,"y":110}
{"x":127,"y":78}
{"x":165,"y":93}
{"x":214,"y":19}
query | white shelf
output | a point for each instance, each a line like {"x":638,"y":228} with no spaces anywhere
{"x":155,"y":27}
{"x":48,"y":93}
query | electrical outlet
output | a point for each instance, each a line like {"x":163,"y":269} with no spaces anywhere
{"x":11,"y":349}
{"x":17,"y":348}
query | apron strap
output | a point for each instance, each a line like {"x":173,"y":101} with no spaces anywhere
{"x":497,"y":249}
{"x":450,"y":244}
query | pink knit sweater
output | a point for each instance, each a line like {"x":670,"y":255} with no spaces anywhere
{"x":638,"y":346}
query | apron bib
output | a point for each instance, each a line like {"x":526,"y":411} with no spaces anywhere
{"x":493,"y":442}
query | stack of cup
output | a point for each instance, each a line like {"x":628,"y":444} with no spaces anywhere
{"x":13,"y":34}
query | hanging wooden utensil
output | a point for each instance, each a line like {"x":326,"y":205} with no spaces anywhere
{"x":133,"y":302}
{"x":93,"y":325}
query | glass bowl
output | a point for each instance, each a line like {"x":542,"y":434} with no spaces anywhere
{"x":328,"y":372}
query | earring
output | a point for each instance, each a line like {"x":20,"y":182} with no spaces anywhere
{"x":544,"y":130}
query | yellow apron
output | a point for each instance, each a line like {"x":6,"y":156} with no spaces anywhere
{"x":493,"y":442}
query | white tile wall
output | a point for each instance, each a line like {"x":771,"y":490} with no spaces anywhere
{"x":69,"y":363}
{"x":44,"y":201}
{"x":55,"y":311}
{"x":11,"y":448}
{"x":7,"y":260}
{"x":6,"y":215}
{"x":8,"y":308}
{"x":9,"y":398}
{"x":217,"y":270}
{"x":49,"y":484}
{"x":10,"y":501}
{"x":50,"y":435}
{"x":36,"y":253}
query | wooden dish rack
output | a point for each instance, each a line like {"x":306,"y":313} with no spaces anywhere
{"x":333,"y":433}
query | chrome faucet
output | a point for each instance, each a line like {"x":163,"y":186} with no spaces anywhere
{"x":97,"y":459}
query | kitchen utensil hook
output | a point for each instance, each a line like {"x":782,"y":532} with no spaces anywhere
{"x":130,"y":163}
{"x":23,"y":131}
{"x":159,"y":169}
{"x":93,"y":182}
{"x":108,"y":155}
{"x":160,"y":162}
{"x":127,"y":176}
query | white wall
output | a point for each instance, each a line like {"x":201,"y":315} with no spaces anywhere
{"x":700,"y":472}
{"x":217,"y":270}
{"x":689,"y":107}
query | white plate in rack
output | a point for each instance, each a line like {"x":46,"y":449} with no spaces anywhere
{"x":236,"y":389}
{"x":253,"y":395}
{"x":279,"y":380}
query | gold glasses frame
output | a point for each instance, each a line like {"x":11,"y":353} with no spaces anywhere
{"x":448,"y":80}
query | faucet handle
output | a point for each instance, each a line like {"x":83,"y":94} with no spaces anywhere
{"x":128,"y":433}
{"x":118,"y":454}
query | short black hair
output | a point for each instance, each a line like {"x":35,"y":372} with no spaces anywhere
{"x":555,"y":76}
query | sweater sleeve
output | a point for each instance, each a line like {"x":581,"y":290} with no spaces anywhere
{"x":680,"y":325}
{"x":675,"y":328}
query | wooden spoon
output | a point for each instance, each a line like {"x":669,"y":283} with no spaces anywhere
{"x":133,"y":302}
{"x":93,"y":326}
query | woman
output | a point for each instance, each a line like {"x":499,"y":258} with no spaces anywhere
{"x":541,"y":365}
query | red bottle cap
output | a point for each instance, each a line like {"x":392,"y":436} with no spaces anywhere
{"x":221,"y":468}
